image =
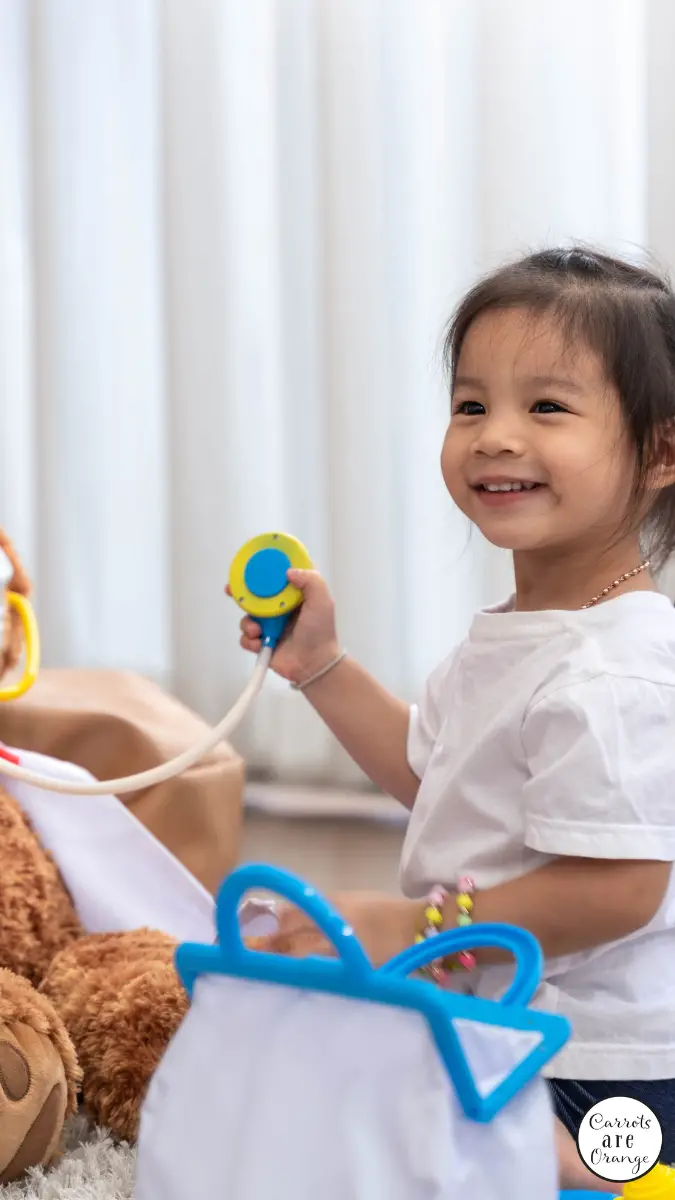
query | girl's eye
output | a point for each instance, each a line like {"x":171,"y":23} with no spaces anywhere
{"x":547,"y":406}
{"x":470,"y":408}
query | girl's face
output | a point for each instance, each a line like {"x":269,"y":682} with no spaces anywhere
{"x":537,"y":453}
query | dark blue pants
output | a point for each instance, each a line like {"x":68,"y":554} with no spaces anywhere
{"x":572,"y":1100}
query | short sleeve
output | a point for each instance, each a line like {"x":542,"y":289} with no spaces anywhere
{"x":601,"y":762}
{"x":426,"y":718}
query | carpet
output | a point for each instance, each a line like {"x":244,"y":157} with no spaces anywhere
{"x":94,"y":1167}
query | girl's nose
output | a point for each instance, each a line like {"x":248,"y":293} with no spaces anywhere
{"x":495,"y":437}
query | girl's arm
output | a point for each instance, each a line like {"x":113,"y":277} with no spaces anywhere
{"x":569,"y":905}
{"x":572,"y":904}
{"x":370,"y":723}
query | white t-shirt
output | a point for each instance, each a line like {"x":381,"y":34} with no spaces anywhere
{"x":548,"y":734}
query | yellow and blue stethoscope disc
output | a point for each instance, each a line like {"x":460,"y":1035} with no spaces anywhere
{"x":258,"y":575}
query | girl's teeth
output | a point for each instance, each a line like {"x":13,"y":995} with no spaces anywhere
{"x":508,"y":487}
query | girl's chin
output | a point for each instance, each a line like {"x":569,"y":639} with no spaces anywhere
{"x":517,"y":544}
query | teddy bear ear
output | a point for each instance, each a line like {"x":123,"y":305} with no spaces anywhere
{"x":13,"y":578}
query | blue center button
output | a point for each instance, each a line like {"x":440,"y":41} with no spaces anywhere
{"x":265,"y":572}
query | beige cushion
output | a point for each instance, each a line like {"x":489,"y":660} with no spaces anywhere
{"x":117,"y":723}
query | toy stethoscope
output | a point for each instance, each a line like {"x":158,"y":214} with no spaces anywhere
{"x":259,"y":585}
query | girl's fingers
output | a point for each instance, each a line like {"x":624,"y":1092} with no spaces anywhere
{"x":253,"y":644}
{"x":249,"y":627}
{"x":297,"y":935}
{"x":299,"y":944}
{"x":250,"y":630}
{"x":313,"y":943}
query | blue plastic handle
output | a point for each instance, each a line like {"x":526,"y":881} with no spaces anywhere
{"x":525,"y":949}
{"x":272,"y":628}
{"x":231,"y":957}
{"x":351,"y":975}
{"x":297,"y":892}
{"x":575,"y":1195}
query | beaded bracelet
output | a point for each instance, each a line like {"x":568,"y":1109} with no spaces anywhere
{"x":433,"y":915}
{"x":464,"y":902}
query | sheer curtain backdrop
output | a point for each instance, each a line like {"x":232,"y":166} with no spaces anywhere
{"x":231,"y":232}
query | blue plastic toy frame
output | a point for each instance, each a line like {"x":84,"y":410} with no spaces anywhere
{"x":352,"y":975}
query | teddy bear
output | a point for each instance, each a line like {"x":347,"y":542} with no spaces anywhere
{"x":84,"y":1018}
{"x":80,"y":1014}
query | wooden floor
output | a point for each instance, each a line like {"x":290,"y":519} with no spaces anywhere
{"x":334,"y":840}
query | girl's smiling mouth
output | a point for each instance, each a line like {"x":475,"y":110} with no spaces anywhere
{"x":496,"y":491}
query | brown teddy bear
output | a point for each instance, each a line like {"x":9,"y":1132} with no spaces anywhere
{"x":94,"y":1011}
{"x":79,"y":1013}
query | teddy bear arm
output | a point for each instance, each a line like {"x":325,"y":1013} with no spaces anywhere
{"x":39,"y":1077}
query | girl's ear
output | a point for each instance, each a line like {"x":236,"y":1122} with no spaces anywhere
{"x":662,"y":471}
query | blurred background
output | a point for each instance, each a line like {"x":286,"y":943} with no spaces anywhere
{"x":231,"y":233}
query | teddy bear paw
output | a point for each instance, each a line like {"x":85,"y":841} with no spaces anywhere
{"x":39,"y":1076}
{"x":33,"y":1100}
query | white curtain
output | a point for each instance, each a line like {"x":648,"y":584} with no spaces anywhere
{"x":231,"y":232}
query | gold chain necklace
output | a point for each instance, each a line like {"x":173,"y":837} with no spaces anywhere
{"x":622,"y":579}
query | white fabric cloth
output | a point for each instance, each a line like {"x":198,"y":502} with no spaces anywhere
{"x":553,"y":734}
{"x":119,"y":876}
{"x":230,"y":237}
{"x":237,"y":1105}
{"x":271,"y":1092}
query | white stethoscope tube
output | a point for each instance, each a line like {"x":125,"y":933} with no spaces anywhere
{"x":145,"y":779}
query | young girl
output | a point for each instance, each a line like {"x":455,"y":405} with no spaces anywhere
{"x":540,"y":761}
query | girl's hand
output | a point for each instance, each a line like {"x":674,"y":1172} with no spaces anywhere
{"x":384,"y":925}
{"x":310,"y":640}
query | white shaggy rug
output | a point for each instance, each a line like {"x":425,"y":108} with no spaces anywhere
{"x":94,"y":1167}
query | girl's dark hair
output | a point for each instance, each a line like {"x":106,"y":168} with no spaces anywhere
{"x":626,"y":315}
